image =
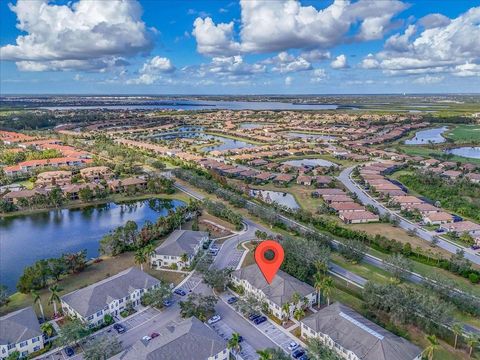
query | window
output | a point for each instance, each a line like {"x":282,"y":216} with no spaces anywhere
{"x":34,"y":340}
{"x":10,"y":346}
{"x":90,"y":317}
{"x":23,"y":343}
{"x":120,"y":301}
{"x":100,"y":313}
{"x":25,"y":353}
{"x":36,"y":348}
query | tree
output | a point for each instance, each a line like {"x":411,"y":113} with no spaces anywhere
{"x":140,"y":257}
{"x":317,"y":284}
{"x":352,"y":250}
{"x":55,"y":197}
{"x":248,"y":304}
{"x":198,"y":305}
{"x":318,"y":351}
{"x":3,"y":295}
{"x":54,"y":297}
{"x":72,"y":332}
{"x":37,"y":300}
{"x":472,"y":341}
{"x":299,"y":313}
{"x":48,"y":329}
{"x":157,"y":296}
{"x":398,"y":265}
{"x":433,"y":345}
{"x":327,"y":288}
{"x":457,"y":330}
{"x":13,"y":356}
{"x":234,"y":343}
{"x":101,"y":347}
{"x":273,"y":354}
{"x":217,"y":278}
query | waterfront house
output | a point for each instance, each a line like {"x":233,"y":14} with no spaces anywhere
{"x":54,"y":178}
{"x":188,"y":339}
{"x":96,"y":173}
{"x":281,"y":291}
{"x":354,"y":337}
{"x":20,"y":331}
{"x":132,"y":183}
{"x":109,"y":296}
{"x":179,"y":248}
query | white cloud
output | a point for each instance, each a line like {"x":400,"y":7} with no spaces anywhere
{"x":316,"y":55}
{"x":434,"y":20}
{"x":467,"y":69}
{"x":428,"y":79}
{"x":150,"y":71}
{"x":286,"y":63}
{"x":340,"y":62}
{"x":288,"y":81}
{"x":85,"y":35}
{"x":319,"y":75}
{"x":369,"y":62}
{"x":443,"y":46}
{"x":268,"y":26}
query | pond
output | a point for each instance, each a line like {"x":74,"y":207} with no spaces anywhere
{"x":254,"y":125}
{"x":300,"y":135}
{"x":428,"y":136}
{"x":26,"y":239}
{"x":310,"y":162}
{"x":472,"y":152}
{"x":281,"y":198}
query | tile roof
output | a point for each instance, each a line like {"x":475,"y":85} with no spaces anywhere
{"x":19,"y":326}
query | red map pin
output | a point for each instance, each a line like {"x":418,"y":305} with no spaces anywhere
{"x":269,"y":256}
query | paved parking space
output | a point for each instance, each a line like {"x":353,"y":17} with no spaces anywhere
{"x":225,"y":331}
{"x":275,"y":334}
{"x":192,"y":282}
{"x":140,"y":318}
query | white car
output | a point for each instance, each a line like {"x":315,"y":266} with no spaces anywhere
{"x":146,"y":338}
{"x":214,"y":319}
{"x":292,"y":346}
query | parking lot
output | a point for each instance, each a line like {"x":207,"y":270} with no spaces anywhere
{"x":225,"y":331}
{"x":140,"y":318}
{"x":275,"y":334}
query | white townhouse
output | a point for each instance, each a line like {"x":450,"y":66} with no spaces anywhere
{"x":354,"y":337}
{"x":179,"y":248}
{"x":109,"y":296}
{"x":281,"y":291}
{"x":188,"y":339}
{"x":20,"y":331}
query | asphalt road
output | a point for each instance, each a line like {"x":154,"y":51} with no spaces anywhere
{"x":344,"y":177}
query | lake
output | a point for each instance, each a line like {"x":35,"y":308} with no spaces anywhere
{"x":205,"y":105}
{"x":310,"y":162}
{"x":428,"y":136}
{"x":280,"y":198}
{"x":26,"y":239}
{"x":254,"y":125}
{"x":466,"y":151}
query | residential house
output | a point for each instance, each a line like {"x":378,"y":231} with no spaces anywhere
{"x":406,"y":200}
{"x":72,"y":191}
{"x":473,"y":177}
{"x":462,"y":227}
{"x":109,"y":296}
{"x":188,"y":339}
{"x":132,"y":183}
{"x":323,"y":181}
{"x":346,"y":206}
{"x":96,"y":173}
{"x":54,"y":178}
{"x":283,"y":179}
{"x":179,"y":248}
{"x":279,"y":292}
{"x":20,"y":331}
{"x":354,"y":337}
{"x":358,"y":217}
{"x":329,"y":191}
{"x":438,"y":218}
{"x":15,"y":197}
{"x":304,"y":180}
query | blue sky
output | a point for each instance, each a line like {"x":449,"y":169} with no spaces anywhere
{"x":239,"y":47}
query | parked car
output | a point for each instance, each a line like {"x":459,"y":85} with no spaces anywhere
{"x":213,"y":252}
{"x":69,"y":351}
{"x":154,"y":335}
{"x":119,"y":328}
{"x":260,"y":320}
{"x":214,"y":319}
{"x":292,"y":346}
{"x":180,"y":292}
{"x":167,"y":302}
{"x":254,"y":316}
{"x":206,"y":244}
{"x":232,"y":300}
{"x":303,"y":357}
{"x":146,"y":338}
{"x":296,"y":354}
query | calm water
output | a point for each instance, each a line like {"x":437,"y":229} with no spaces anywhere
{"x":280,"y":198}
{"x":310,"y":162}
{"x":207,"y":105}
{"x":466,"y":151}
{"x":254,"y":125}
{"x":428,"y":136}
{"x":294,"y":134}
{"x":26,"y":239}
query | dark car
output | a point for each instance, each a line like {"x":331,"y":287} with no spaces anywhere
{"x":260,"y":320}
{"x":180,"y":292}
{"x":154,"y":335}
{"x":69,"y":351}
{"x":298,"y":353}
{"x":253,"y":316}
{"x":167,"y":302}
{"x":120,"y":328}
{"x":303,"y":357}
{"x":232,"y":300}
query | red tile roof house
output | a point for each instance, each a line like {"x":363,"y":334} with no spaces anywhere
{"x":336,"y":198}
{"x":346,"y":206}
{"x":125,"y":184}
{"x":461,"y":227}
{"x":283,"y":179}
{"x":323,"y":181}
{"x":473,"y":177}
{"x":264,"y":176}
{"x":385,"y":186}
{"x":320,"y":192}
{"x":452,"y":174}
{"x":424,"y":208}
{"x":438,"y":218}
{"x":430,"y":162}
{"x":358,"y":217}
{"x":406,"y":200}
{"x":304,"y":180}
{"x":14,"y":196}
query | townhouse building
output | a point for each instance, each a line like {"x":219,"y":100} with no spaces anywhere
{"x":109,"y":296}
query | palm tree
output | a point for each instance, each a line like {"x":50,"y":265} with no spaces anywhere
{"x":184,"y":258}
{"x":140,"y":258}
{"x":432,"y":347}
{"x":296,"y":297}
{"x":286,"y":310}
{"x":47,"y":329}
{"x":264,"y":354}
{"x":149,"y":251}
{"x":317,"y":284}
{"x":299,"y":313}
{"x":457,"y":329}
{"x":54,"y":297}
{"x":234,"y":343}
{"x":327,"y":288}
{"x":37,"y":299}
{"x":472,"y":341}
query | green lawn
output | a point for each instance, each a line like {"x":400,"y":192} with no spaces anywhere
{"x":465,"y":133}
